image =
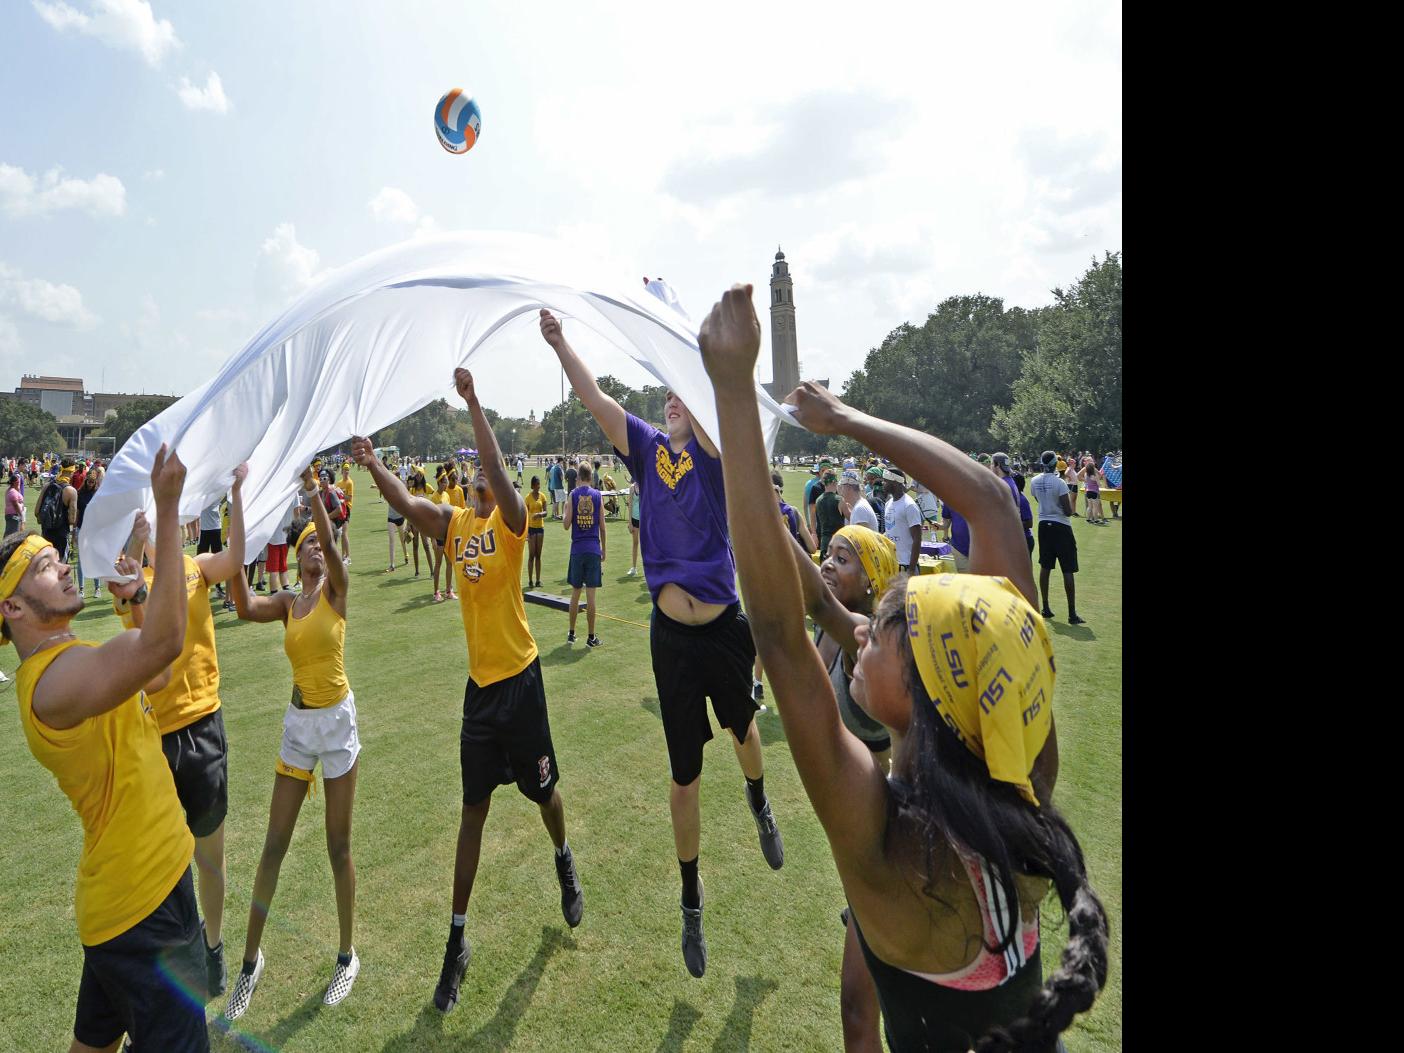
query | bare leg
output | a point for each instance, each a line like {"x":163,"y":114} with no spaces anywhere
{"x":589,"y":610}
{"x":748,"y":752}
{"x":1071,"y":590}
{"x":438,"y":562}
{"x":685,"y":804}
{"x":1043,"y":586}
{"x":470,"y":846}
{"x":553,"y":815}
{"x":390,"y":536}
{"x":288,"y":795}
{"x":209,"y":861}
{"x":574,"y":605}
{"x":81,"y":1047}
{"x":341,"y":796}
{"x":634,"y":558}
{"x":858,"y":1003}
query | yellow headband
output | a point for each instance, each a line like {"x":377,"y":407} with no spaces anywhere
{"x":876,"y":552}
{"x":986,"y":661}
{"x":19,"y":562}
{"x":310,"y":528}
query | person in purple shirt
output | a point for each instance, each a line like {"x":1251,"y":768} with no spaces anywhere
{"x":700,"y":641}
{"x":583,"y":521}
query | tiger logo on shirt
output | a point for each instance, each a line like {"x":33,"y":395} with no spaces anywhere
{"x":671,"y":473}
{"x":585,"y":512}
{"x":468,"y":551}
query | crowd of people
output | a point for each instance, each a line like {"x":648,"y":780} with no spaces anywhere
{"x":919,"y":713}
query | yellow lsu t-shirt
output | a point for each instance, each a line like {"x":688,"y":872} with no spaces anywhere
{"x":536,"y":508}
{"x":136,"y":845}
{"x":194,"y":688}
{"x":487,"y":571}
{"x":456,"y":497}
{"x":348,"y":487}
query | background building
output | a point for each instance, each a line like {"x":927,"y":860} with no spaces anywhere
{"x":784,"y":341}
{"x":79,"y":412}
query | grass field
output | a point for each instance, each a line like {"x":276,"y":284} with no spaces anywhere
{"x":615,"y":983}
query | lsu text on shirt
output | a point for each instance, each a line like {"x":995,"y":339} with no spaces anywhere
{"x":485,"y":559}
{"x":136,"y":845}
{"x":194,"y":688}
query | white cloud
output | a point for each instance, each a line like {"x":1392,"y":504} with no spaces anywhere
{"x":287,"y":265}
{"x":127,"y":25}
{"x":145,"y":330}
{"x":24,"y":195}
{"x":9,"y":336}
{"x":393,"y":205}
{"x":44,"y":300}
{"x":211,"y":97}
{"x":154,"y":175}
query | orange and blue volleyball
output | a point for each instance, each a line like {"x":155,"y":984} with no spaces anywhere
{"x":457,"y":120}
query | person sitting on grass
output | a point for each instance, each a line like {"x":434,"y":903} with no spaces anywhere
{"x":962,"y":838}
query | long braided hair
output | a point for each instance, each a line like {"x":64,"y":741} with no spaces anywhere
{"x":950,"y":797}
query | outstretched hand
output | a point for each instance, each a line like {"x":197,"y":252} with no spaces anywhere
{"x":127,"y":567}
{"x":141,"y":528}
{"x":167,"y":476}
{"x":240,"y":474}
{"x":463,"y":382}
{"x":551,"y":330}
{"x":730,"y":337}
{"x":818,"y":409}
{"x":362,"y":452}
{"x":309,"y":481}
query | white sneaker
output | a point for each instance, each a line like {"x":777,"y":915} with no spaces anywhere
{"x":631,"y":572}
{"x":3,"y":678}
{"x":244,"y":985}
{"x":343,"y":976}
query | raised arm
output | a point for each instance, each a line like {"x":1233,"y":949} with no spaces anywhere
{"x":429,"y":519}
{"x":221,"y":566}
{"x":610,"y":416}
{"x":84,"y":682}
{"x":490,"y":454}
{"x":326,"y":535}
{"x":996,"y":538}
{"x":845,"y":787}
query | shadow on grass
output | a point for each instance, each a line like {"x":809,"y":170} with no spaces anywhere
{"x":736,"y":1032}
{"x":680,"y":1025}
{"x":1075,"y":632}
{"x":650,"y":705}
{"x":231,"y":1038}
{"x":565,"y":654}
{"x":420,"y":602}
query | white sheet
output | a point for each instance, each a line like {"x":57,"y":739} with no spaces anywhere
{"x":375,"y":341}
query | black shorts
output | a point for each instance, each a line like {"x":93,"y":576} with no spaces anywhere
{"x":209,"y":542}
{"x":396,"y":520}
{"x":198,"y":755}
{"x":634,"y":523}
{"x":692,"y":663}
{"x":506,"y":738}
{"x":59,"y":539}
{"x":1056,"y":544}
{"x":536,"y":531}
{"x":149,"y":981}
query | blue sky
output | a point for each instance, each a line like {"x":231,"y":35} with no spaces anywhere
{"x":172,"y":173}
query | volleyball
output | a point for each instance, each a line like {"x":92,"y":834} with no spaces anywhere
{"x":457,"y":121}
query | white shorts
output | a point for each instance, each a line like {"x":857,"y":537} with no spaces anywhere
{"x":560,"y":496}
{"x":327,"y":735}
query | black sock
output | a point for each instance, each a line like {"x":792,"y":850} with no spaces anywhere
{"x":343,"y":959}
{"x":250,"y":966}
{"x":456,"y":934}
{"x":755,"y":793}
{"x":691,"y":893}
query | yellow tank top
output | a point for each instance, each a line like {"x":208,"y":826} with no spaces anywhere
{"x":315,"y":645}
{"x":487,"y":571}
{"x":194,"y":688}
{"x":136,"y":845}
{"x":536,"y":509}
{"x":456,"y":497}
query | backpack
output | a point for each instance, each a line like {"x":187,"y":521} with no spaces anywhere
{"x":53,"y":516}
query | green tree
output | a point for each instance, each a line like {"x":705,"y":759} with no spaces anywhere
{"x":946,"y":376}
{"x":1069,"y":388}
{"x":427,"y":432}
{"x":27,"y":430}
{"x":130,"y":417}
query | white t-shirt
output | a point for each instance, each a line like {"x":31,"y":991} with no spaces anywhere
{"x":862,"y":514}
{"x":1046,"y":488}
{"x":899,"y":516}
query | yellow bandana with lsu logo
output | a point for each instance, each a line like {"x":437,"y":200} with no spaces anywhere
{"x":986,"y":661}
{"x":876,"y":552}
{"x":19,"y":562}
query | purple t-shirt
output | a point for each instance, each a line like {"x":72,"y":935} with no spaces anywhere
{"x":960,"y":529}
{"x":1025,"y":513}
{"x":682,"y":502}
{"x":791,"y":518}
{"x":587,"y":510}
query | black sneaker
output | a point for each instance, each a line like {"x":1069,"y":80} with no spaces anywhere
{"x":592,"y":641}
{"x":216,"y":974}
{"x":1046,"y":613}
{"x":694,"y":944}
{"x":570,"y":636}
{"x":572,"y":895}
{"x":1073,"y":619}
{"x":772,"y":847}
{"x":451,"y":975}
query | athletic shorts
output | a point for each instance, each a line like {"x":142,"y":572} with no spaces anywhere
{"x":60,"y":542}
{"x":277,"y":559}
{"x":559,"y":496}
{"x":506,"y":738}
{"x":209,"y":542}
{"x":328,"y":735}
{"x":692,"y":663}
{"x":583,"y":571}
{"x":198,"y":755}
{"x":137,"y":982}
{"x":536,"y":531}
{"x":394,"y":519}
{"x":634,"y":523}
{"x":1056,"y":544}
